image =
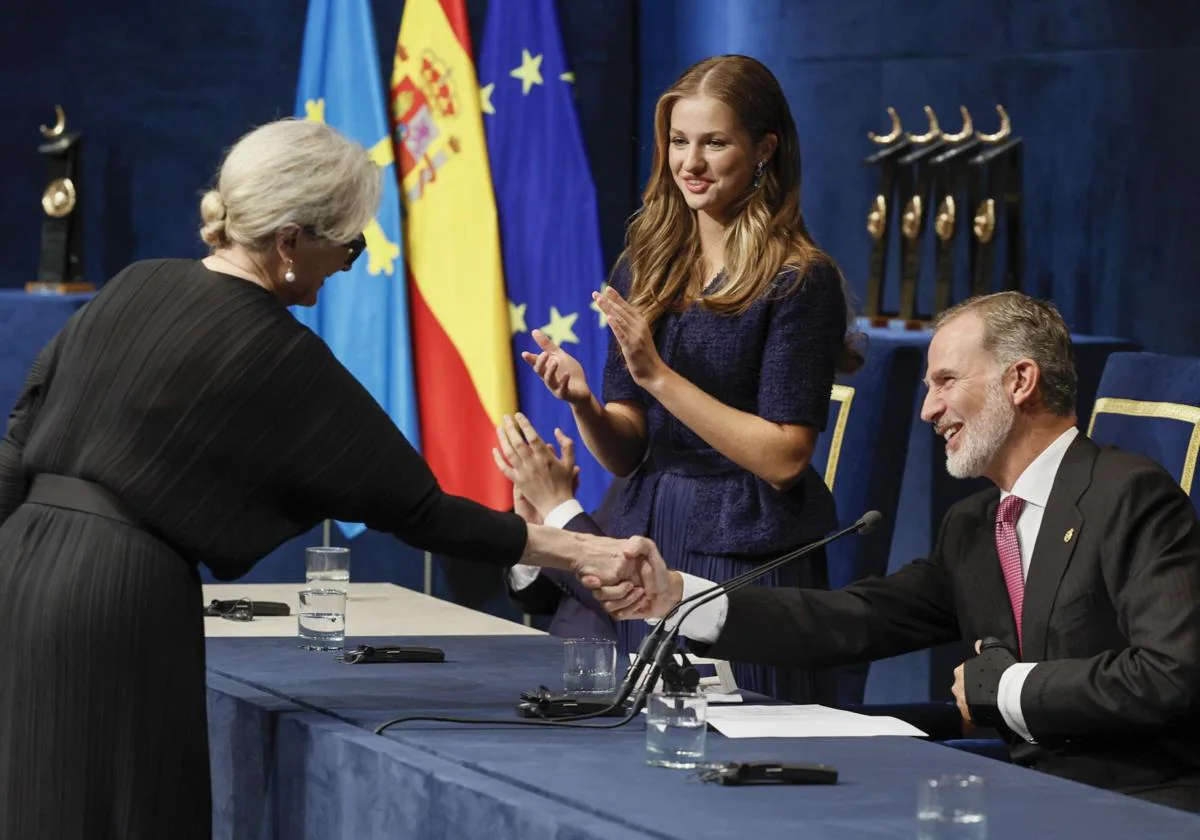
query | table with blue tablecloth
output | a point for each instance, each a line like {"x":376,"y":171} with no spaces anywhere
{"x":27,"y":323}
{"x":294,"y":756}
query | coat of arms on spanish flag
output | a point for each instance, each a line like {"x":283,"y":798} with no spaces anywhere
{"x":461,"y":341}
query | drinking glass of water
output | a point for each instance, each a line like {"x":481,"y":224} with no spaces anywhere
{"x":676,"y":722}
{"x":328,"y":566}
{"x":951,"y":807}
{"x":321,"y":619}
{"x":589,"y":668}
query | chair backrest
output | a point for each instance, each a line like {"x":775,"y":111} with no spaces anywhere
{"x":861,"y":454}
{"x":1150,"y":404}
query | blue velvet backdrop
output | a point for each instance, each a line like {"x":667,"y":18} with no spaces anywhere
{"x":1101,"y":90}
{"x":1098,"y":89}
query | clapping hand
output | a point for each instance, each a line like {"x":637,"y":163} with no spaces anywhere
{"x":559,"y":370}
{"x":541,"y":478}
{"x":634,"y":336}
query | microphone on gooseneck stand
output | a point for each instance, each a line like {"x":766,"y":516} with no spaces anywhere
{"x":653,"y":654}
{"x":663,"y":657}
{"x":656,"y":649}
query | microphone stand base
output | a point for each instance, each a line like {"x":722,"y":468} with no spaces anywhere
{"x":552,"y":706}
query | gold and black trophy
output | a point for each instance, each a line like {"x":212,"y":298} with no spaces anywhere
{"x":915,"y":178}
{"x":949,"y":181}
{"x":895,"y":143}
{"x":995,"y":195}
{"x":60,"y":265}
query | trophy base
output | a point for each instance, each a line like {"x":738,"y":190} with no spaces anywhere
{"x":40,"y":287}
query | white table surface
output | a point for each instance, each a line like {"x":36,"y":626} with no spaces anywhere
{"x":374,"y":609}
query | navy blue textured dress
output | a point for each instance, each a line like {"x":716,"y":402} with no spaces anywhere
{"x":709,"y":516}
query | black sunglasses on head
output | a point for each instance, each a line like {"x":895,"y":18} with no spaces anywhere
{"x":354,"y":247}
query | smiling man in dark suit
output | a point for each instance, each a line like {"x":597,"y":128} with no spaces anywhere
{"x":1076,"y":579}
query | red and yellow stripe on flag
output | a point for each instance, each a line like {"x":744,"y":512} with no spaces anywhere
{"x":461,"y":338}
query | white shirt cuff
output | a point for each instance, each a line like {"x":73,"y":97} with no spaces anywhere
{"x":704,"y":623}
{"x":1008,"y":698}
{"x":521,"y":576}
{"x":564,"y":513}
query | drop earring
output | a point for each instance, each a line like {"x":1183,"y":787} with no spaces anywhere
{"x":289,"y":276}
{"x":759,"y":168}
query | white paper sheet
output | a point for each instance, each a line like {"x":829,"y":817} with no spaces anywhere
{"x":810,"y":721}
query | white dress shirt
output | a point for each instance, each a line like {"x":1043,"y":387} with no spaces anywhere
{"x":520,"y":575}
{"x":1033,"y":485}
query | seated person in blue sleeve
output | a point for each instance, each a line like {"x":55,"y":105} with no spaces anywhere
{"x":544,"y":494}
{"x":1075,"y":581}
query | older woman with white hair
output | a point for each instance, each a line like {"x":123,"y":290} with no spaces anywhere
{"x":183,"y":416}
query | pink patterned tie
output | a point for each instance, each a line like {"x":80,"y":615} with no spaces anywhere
{"x":1008,"y":546}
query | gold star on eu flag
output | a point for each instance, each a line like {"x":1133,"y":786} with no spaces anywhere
{"x":485,"y":98}
{"x":561,"y":327}
{"x":516,"y":318}
{"x":530,"y":71}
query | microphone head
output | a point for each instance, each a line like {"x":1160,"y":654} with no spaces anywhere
{"x":868,"y":521}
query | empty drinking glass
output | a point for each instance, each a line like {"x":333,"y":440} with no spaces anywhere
{"x":589,"y":668}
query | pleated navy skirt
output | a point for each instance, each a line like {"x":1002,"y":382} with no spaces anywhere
{"x":668,"y":528}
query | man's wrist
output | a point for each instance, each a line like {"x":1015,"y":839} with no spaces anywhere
{"x":559,"y":515}
{"x":675,"y":589}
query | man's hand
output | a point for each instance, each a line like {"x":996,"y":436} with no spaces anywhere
{"x":538,"y":475}
{"x":619,"y":572}
{"x":959,"y":689}
{"x":523,"y":509}
{"x":662,"y":588}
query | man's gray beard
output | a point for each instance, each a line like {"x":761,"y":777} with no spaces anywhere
{"x":984,"y":435}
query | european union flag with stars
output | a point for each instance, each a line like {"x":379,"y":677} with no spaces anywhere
{"x":362,"y":314}
{"x":549,"y":228}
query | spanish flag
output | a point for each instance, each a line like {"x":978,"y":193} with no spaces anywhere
{"x":461,"y":340}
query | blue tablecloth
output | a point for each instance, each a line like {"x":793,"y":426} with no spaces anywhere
{"x":294,"y":757}
{"x":27,"y":323}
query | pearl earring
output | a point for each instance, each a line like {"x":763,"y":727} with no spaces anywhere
{"x":289,"y":276}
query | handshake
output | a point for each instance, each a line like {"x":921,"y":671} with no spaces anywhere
{"x":627,"y":576}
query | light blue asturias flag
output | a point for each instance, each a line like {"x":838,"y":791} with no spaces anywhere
{"x":549,"y":227}
{"x":362,"y":313}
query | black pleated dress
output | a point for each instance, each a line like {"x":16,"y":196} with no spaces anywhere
{"x":224,"y":427}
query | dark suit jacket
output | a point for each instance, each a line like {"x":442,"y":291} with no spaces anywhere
{"x":1111,"y":614}
{"x":577,"y":614}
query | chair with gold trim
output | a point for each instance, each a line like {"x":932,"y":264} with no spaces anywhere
{"x":861,"y":455}
{"x":1150,"y":404}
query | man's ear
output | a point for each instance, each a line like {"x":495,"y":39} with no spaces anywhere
{"x":1026,"y":378}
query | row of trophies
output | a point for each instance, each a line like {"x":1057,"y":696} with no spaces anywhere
{"x":919,"y":175}
{"x":931,"y":177}
{"x":60,"y":264}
